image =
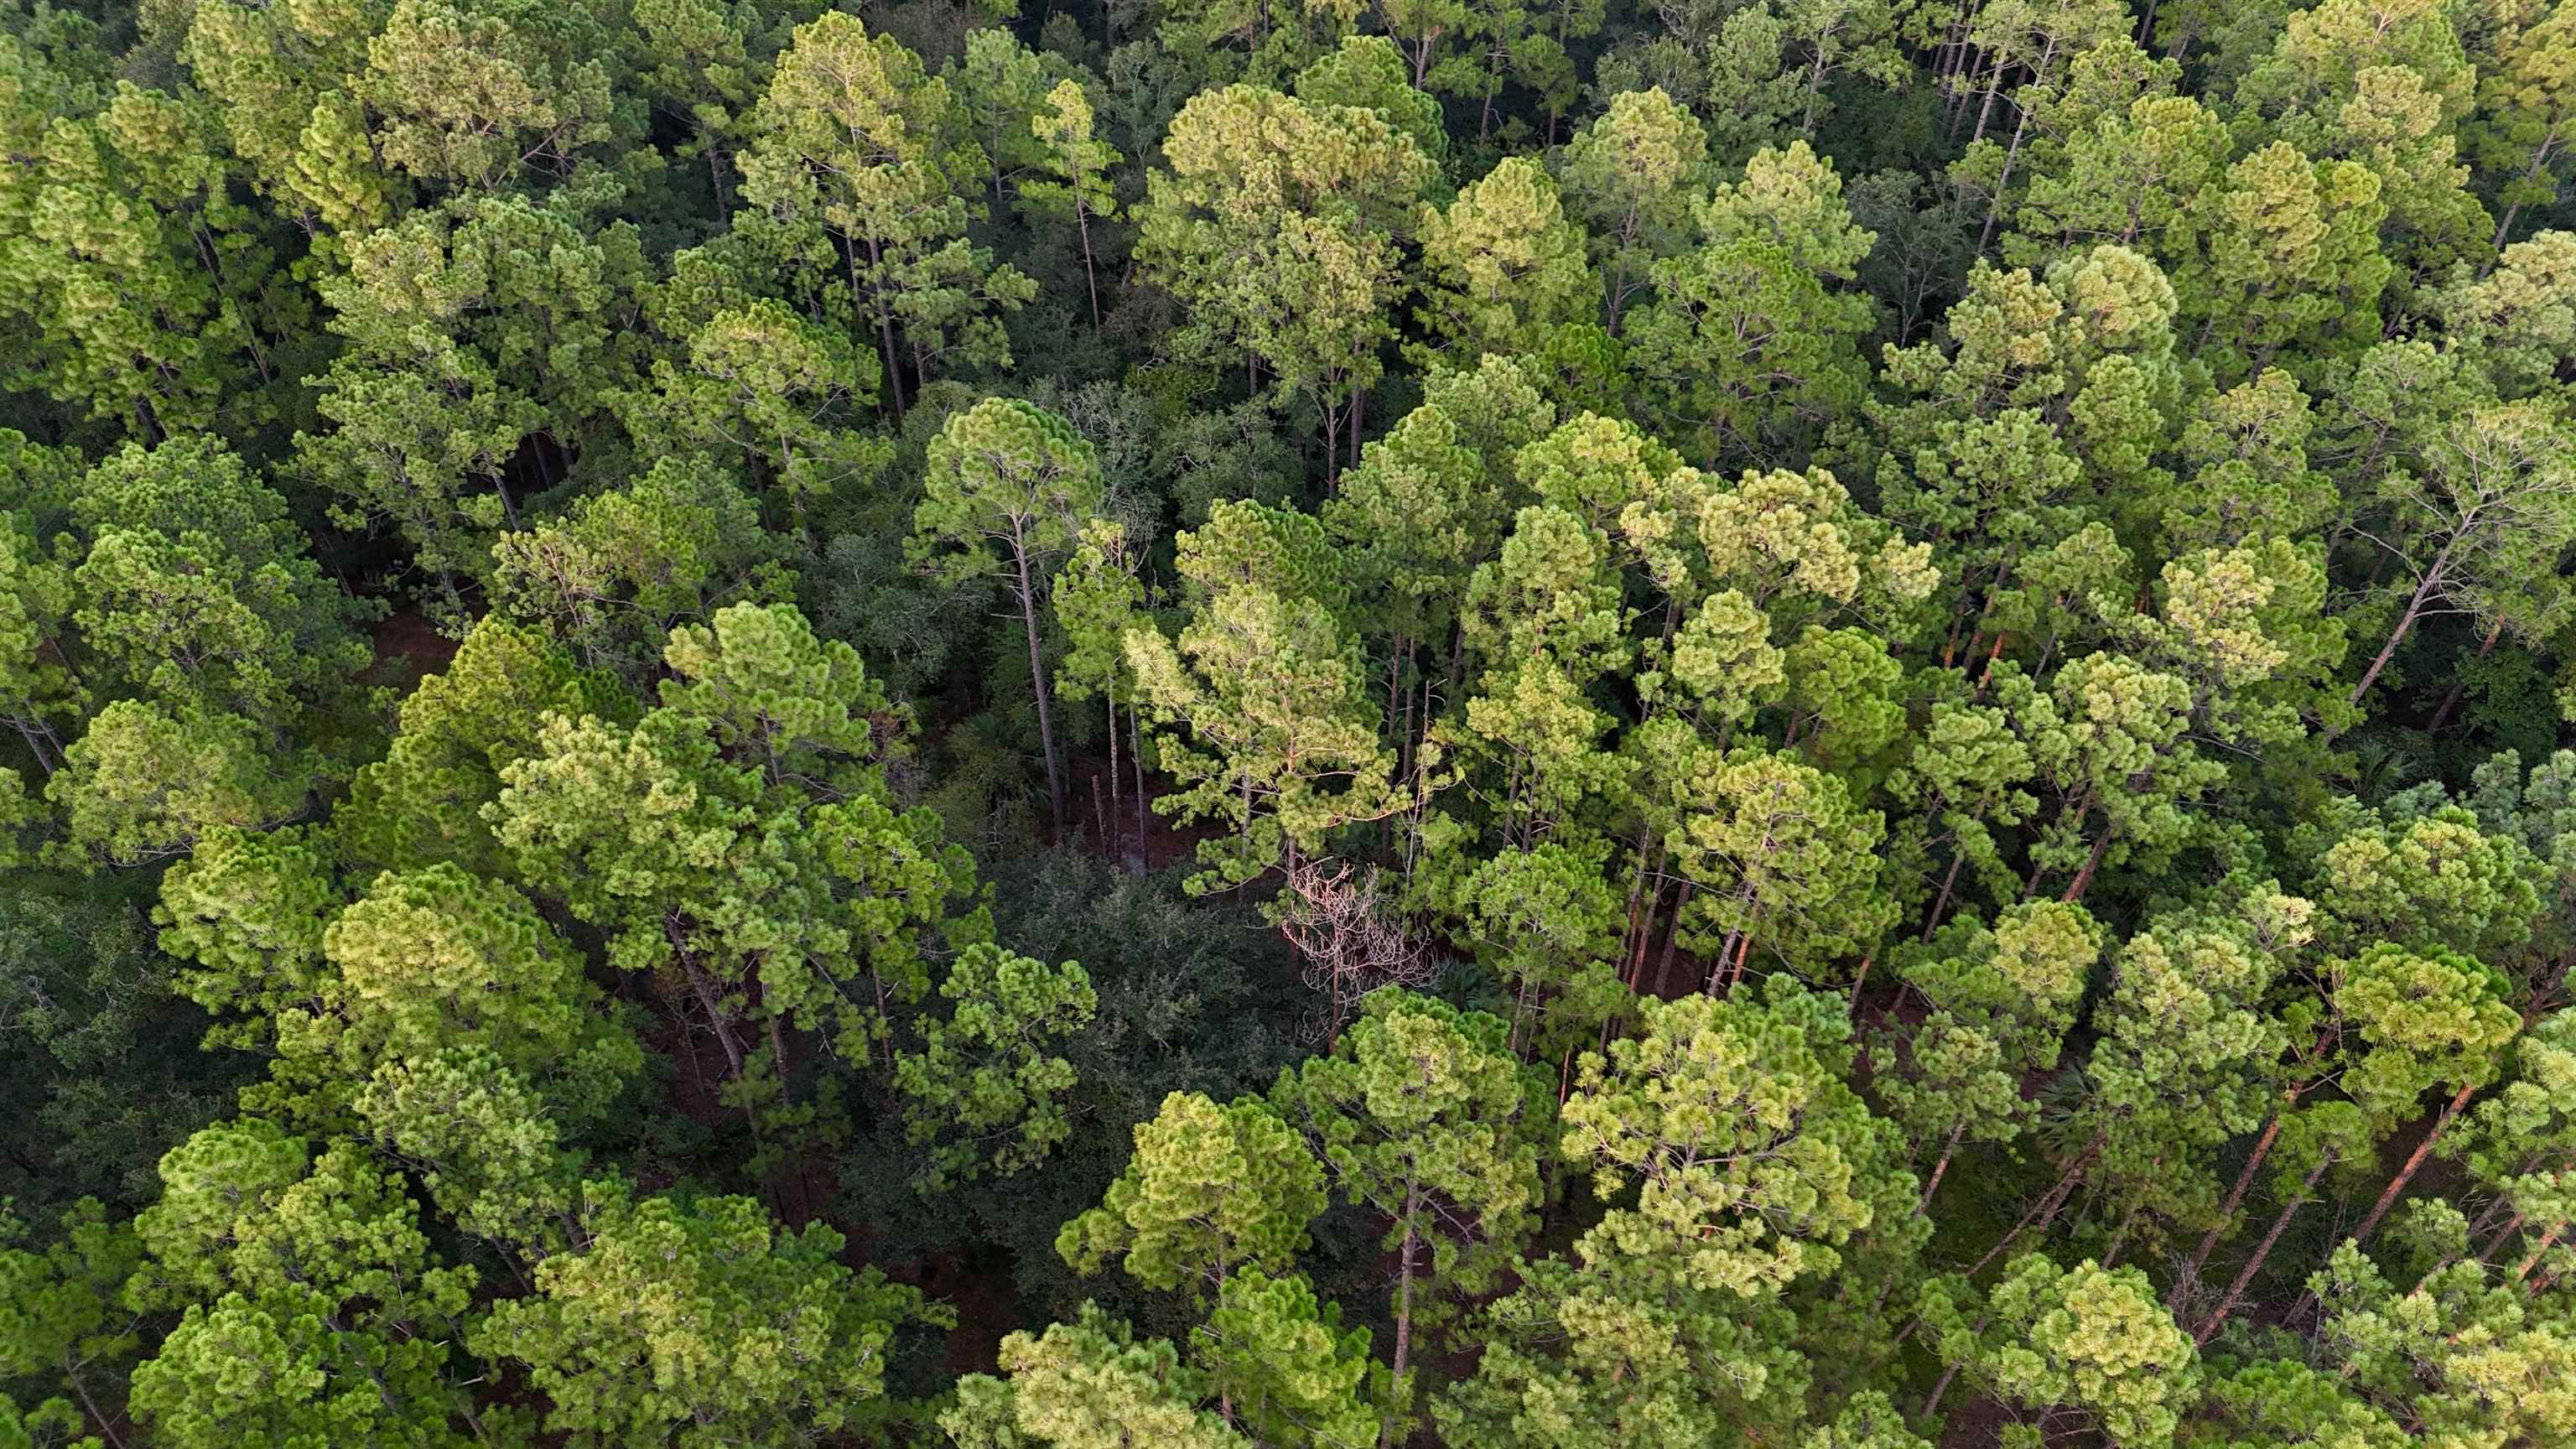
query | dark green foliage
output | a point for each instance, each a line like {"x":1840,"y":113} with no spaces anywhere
{"x":1473,"y":723}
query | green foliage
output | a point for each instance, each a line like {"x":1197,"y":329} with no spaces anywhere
{"x":2011,"y":554}
{"x":1085,"y":1385}
{"x":2088,"y":1340}
{"x":1210,"y":1191}
{"x":698,"y":1321}
{"x":982,"y":1084}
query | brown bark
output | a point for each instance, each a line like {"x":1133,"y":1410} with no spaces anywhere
{"x":1941,"y":903}
{"x":1037,"y":679}
{"x":2189,"y":1273}
{"x":2263,"y":1250}
{"x":2414,"y":1162}
{"x":2084,"y":878}
{"x":2405,"y":624}
{"x":1672,"y":934}
{"x":2460,"y":683}
{"x":2547,"y":1241}
{"x":2043,"y":1211}
{"x":1941,"y":1166}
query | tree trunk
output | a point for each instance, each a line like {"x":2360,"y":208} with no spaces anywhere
{"x":1672,"y":933}
{"x":1404,"y":1296}
{"x":1136,"y":763}
{"x":2084,"y":878}
{"x":2120,"y":1235}
{"x":1037,"y":680}
{"x":1941,"y":1166}
{"x":885,"y":327}
{"x":2539,"y":1250}
{"x":2460,"y":684}
{"x":2003,"y":178}
{"x":35,"y":737}
{"x":705,"y":991}
{"x":2189,"y":1273}
{"x":2043,"y":1211}
{"x":1986,"y":112}
{"x":2263,"y":1250}
{"x":2512,"y":1226}
{"x":1082,"y":229}
{"x":2538,"y":156}
{"x":2406,"y":622}
{"x":2414,"y":1161}
{"x":1941,"y":903}
{"x":99,"y":1417}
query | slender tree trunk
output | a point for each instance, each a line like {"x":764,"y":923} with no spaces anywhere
{"x":2003,"y":179}
{"x":2044,"y":1211}
{"x":2120,"y":1236}
{"x":1941,"y":1166}
{"x":2504,"y":228}
{"x":705,"y":991}
{"x":1136,"y":763}
{"x":1932,"y":1405}
{"x":35,"y":737}
{"x":2406,"y":622}
{"x":1110,"y":827}
{"x":1986,"y":112}
{"x":2263,"y":1250}
{"x":1941,"y":903}
{"x":885,"y":326}
{"x":1404,"y":1290}
{"x":2084,"y":878}
{"x":1037,"y":679}
{"x":1672,"y":934}
{"x":2414,"y":1161}
{"x":99,"y":1417}
{"x":1082,"y":229}
{"x":778,"y":1059}
{"x":1631,"y":949}
{"x":2512,"y":1225}
{"x":2189,"y":1273}
{"x":2460,"y":683}
{"x":2539,"y":1250}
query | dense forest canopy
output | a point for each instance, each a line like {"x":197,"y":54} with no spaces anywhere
{"x":1321,"y":724}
